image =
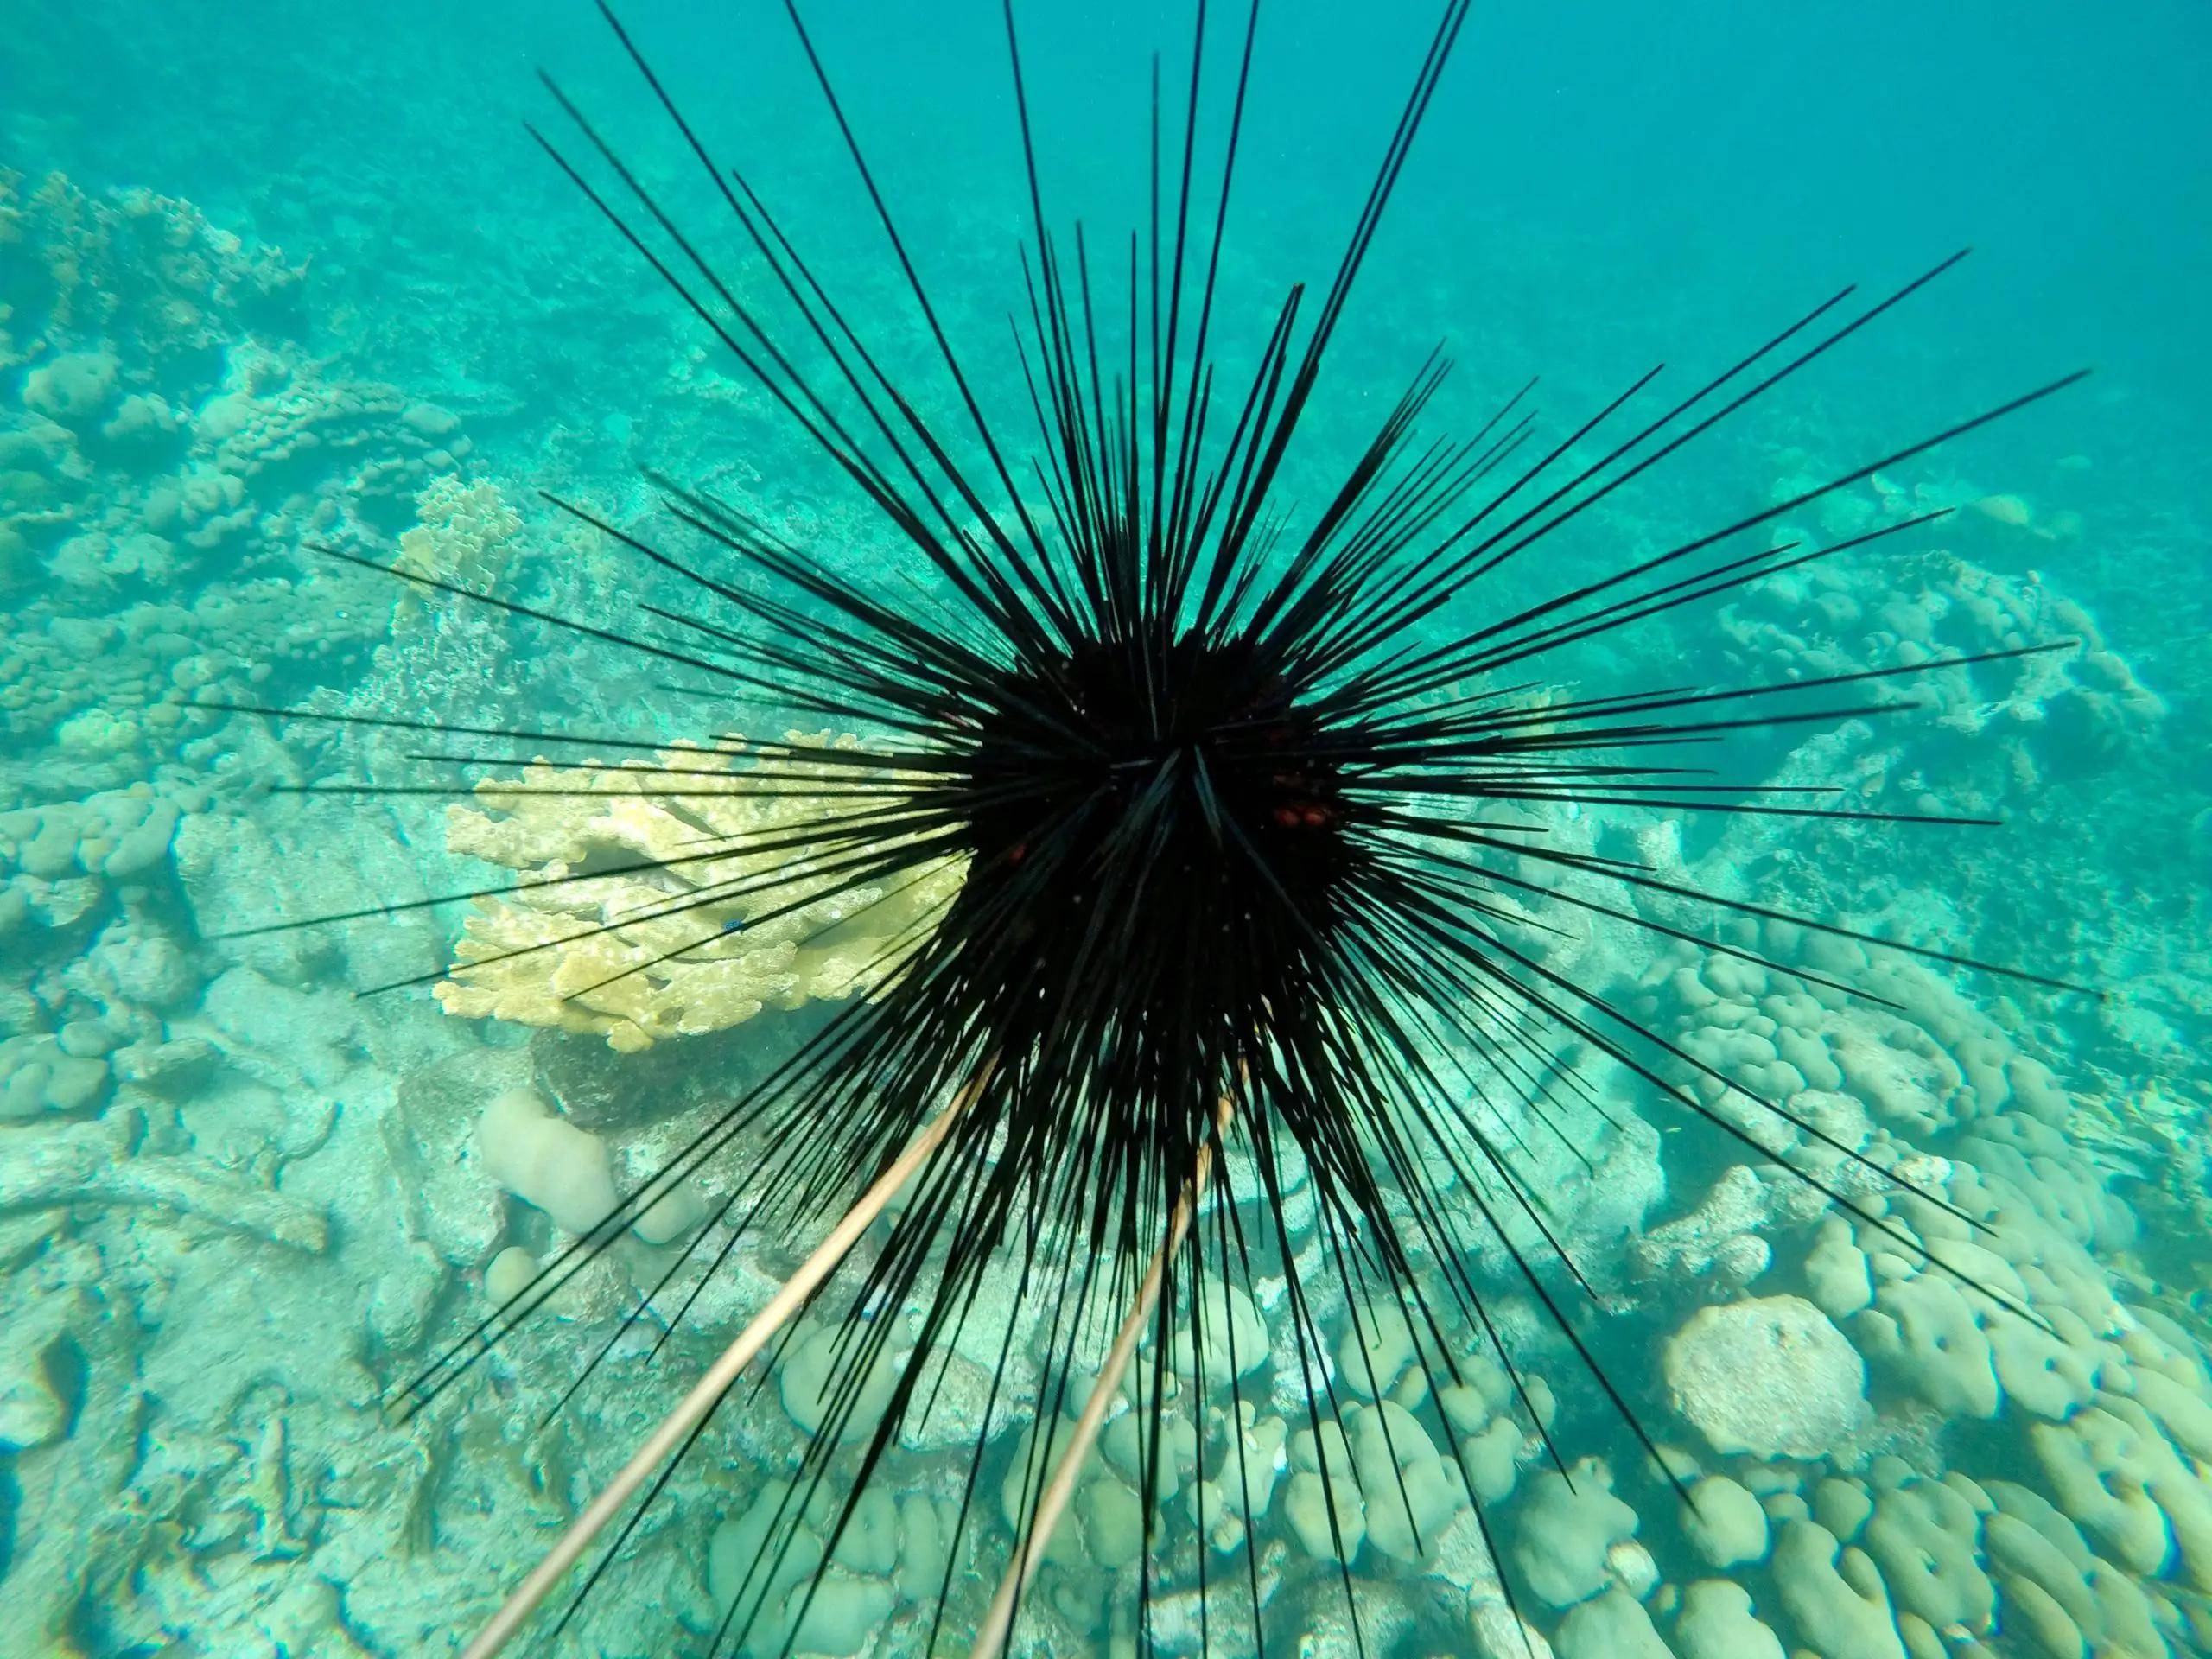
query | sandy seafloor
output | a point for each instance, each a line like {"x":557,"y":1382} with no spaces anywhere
{"x":285,"y":275}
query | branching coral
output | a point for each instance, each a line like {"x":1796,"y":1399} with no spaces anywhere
{"x":726,"y":924}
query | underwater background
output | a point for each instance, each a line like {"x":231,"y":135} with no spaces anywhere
{"x":280,"y":274}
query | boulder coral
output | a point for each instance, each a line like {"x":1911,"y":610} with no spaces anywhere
{"x":889,"y":1559}
{"x":1225,"y":1503}
{"x":1994,"y":1289}
{"x":545,"y":1162}
{"x":810,"y":1383}
{"x":1103,"y":1530}
{"x":1563,"y":1531}
{"x":1718,"y":1621}
{"x":1724,"y":1522}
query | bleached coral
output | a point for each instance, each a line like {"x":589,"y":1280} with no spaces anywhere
{"x":461,"y":533}
{"x":731,"y":913}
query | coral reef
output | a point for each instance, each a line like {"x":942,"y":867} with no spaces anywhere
{"x":643,"y":956}
{"x":170,"y":444}
{"x":2033,"y":1486}
{"x":235,"y":1203}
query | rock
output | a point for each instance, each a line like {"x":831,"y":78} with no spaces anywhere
{"x":427,"y":1136}
{"x":1497,"y":1633}
{"x":90,"y":1166}
{"x":32,"y":1412}
{"x":1770,"y":1376}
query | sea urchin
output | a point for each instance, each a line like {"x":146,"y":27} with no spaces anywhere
{"x":1253,"y":807}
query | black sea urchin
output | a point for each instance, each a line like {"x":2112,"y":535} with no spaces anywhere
{"x":1256,"y":882}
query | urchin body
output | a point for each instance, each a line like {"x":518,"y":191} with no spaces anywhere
{"x":1158,"y":842}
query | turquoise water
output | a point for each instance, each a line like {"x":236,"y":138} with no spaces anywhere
{"x":290,"y":278}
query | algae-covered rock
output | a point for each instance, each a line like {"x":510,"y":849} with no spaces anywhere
{"x":1495,"y":1630}
{"x":1770,"y":1376}
{"x":427,"y":1138}
{"x":71,"y":388}
{"x":35,"y":1354}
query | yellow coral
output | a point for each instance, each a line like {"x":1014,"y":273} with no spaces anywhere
{"x":643,"y":954}
{"x":461,"y":534}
